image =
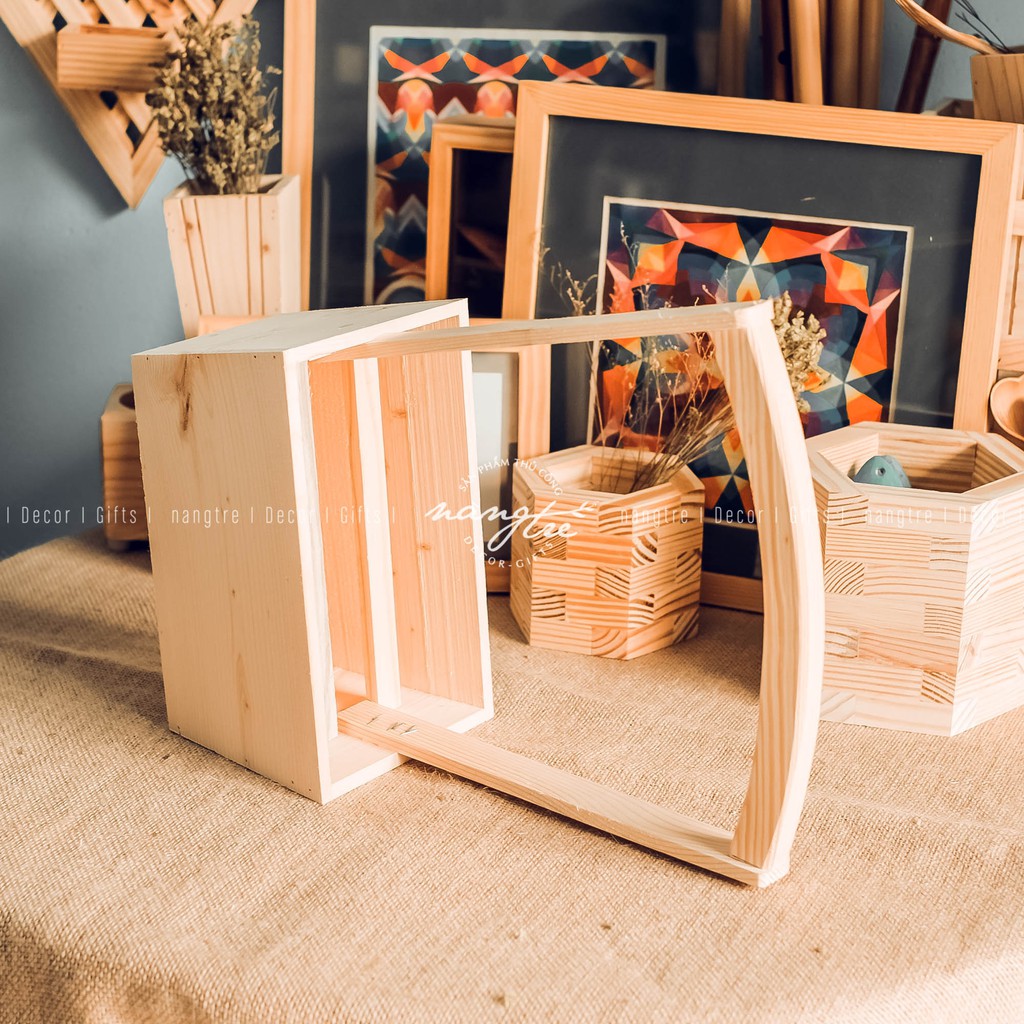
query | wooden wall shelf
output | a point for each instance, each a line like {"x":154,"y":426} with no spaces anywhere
{"x":109,"y":57}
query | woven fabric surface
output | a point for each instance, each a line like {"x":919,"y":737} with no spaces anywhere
{"x":145,"y":880}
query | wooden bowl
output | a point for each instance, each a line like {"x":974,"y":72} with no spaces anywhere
{"x":1007,"y":404}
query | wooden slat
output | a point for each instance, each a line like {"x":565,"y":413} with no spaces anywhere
{"x":555,"y":790}
{"x":794,"y":614}
{"x":231,"y":604}
{"x":100,"y":57}
{"x":438,"y":576}
{"x":525,"y":334}
{"x":297,"y":114}
{"x":737,"y":592}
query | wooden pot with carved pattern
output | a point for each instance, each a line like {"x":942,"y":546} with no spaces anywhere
{"x":598,"y":567}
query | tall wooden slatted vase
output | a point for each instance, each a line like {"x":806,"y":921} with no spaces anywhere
{"x":235,"y":255}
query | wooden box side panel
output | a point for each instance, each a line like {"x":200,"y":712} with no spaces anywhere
{"x":440,"y":594}
{"x":216,"y":442}
{"x":341,"y":508}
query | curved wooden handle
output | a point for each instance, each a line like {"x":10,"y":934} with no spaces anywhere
{"x":794,"y":594}
{"x":939,"y":28}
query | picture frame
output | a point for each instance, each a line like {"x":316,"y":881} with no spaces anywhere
{"x":501,"y":379}
{"x":421,"y":75}
{"x":452,"y":141}
{"x":744,"y":149}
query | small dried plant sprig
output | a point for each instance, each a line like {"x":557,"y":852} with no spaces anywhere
{"x":706,"y":411}
{"x":969,"y":15}
{"x":672,"y":401}
{"x":212,"y":108}
{"x":801,"y":339}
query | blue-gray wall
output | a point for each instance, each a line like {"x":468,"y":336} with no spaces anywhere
{"x":84,"y":282}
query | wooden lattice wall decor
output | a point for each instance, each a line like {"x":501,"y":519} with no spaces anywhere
{"x":116,"y":125}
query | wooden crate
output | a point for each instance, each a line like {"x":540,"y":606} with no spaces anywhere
{"x":109,"y":57}
{"x":315,"y":533}
{"x":923,"y":587}
{"x":124,"y":504}
{"x":599,"y":571}
{"x":235,"y":255}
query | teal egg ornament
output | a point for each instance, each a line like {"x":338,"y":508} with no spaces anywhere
{"x":883,"y":471}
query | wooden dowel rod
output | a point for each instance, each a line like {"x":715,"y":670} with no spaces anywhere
{"x":845,"y":67}
{"x":872,"y":21}
{"x":921,"y":62}
{"x":805,"y":50}
{"x":734,"y":36}
{"x":773,"y":47}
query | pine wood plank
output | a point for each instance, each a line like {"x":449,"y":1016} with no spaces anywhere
{"x":297,"y":114}
{"x":555,"y":790}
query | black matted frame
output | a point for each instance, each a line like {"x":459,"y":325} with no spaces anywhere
{"x":956,"y":182}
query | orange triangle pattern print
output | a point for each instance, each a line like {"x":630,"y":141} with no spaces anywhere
{"x":852,"y":277}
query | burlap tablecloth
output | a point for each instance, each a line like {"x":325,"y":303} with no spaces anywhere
{"x":145,"y":879}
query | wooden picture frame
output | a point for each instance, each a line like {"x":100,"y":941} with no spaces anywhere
{"x":996,"y":148}
{"x":380,"y":649}
{"x":472,"y":133}
{"x":533,"y":368}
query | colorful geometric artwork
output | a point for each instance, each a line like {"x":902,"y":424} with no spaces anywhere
{"x":852,"y":277}
{"x":419,"y":75}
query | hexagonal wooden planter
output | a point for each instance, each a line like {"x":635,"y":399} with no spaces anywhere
{"x":924,"y":587}
{"x":599,"y":571}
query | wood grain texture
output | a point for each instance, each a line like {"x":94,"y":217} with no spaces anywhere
{"x":437,"y":564}
{"x":119,"y":131}
{"x":245,"y":620}
{"x":235,"y":256}
{"x":591,"y":803}
{"x":521,"y":335}
{"x":230,"y":604}
{"x":268,"y":476}
{"x":998,"y":86}
{"x":601,"y":572}
{"x":124,"y":502}
{"x":794,"y":620}
{"x":109,"y":57}
{"x":297,"y":114}
{"x":737,"y":592}
{"x":791,"y":665}
{"x":923,"y":587}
